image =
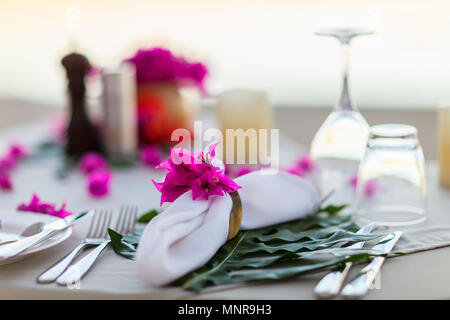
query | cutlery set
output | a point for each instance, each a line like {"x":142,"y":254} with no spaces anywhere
{"x":63,"y":271}
{"x":330,"y":285}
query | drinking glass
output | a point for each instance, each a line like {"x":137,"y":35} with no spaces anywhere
{"x":339,"y":144}
{"x":391,"y":186}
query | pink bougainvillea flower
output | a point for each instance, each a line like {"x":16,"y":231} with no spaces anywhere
{"x":151,"y":155}
{"x":193,"y":171}
{"x":36,"y":205}
{"x":353,"y":181}
{"x":5,"y":182}
{"x":91,"y":162}
{"x":305,"y":163}
{"x":7,"y":163}
{"x":17,"y":151}
{"x":208,"y":184}
{"x":370,"y":187}
{"x":302,"y":166}
{"x":98,"y":183}
{"x":62,"y":212}
{"x":244,"y":170}
{"x":160,"y":65}
{"x":295,"y":169}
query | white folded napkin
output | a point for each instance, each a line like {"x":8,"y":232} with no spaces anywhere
{"x":189,"y":232}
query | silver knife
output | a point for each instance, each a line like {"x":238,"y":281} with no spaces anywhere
{"x":329,"y":285}
{"x":360,"y":285}
{"x":8,"y":251}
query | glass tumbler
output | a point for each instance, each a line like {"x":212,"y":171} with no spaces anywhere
{"x":391,"y":183}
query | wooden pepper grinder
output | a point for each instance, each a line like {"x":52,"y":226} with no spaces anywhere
{"x":81,"y":134}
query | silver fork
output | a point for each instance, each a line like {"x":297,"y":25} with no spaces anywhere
{"x":126,"y":223}
{"x":95,"y":236}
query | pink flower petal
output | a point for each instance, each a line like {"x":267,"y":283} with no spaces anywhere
{"x":244,"y":170}
{"x":98,"y":183}
{"x":36,"y":205}
{"x":151,"y":155}
{"x":5,"y":182}
{"x":305,"y":163}
{"x":190,"y":171}
{"x":17,"y":151}
{"x":91,"y":162}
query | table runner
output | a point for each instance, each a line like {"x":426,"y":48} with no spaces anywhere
{"x":114,"y":276}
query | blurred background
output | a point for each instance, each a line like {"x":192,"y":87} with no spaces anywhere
{"x":265,"y":45}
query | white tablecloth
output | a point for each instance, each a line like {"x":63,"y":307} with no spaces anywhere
{"x":113,"y":276}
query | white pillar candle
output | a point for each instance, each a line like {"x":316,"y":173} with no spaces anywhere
{"x":119,"y":102}
{"x":444,"y":145}
{"x":244,"y":109}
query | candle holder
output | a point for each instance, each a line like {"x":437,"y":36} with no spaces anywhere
{"x":245,"y":112}
{"x":444,"y":145}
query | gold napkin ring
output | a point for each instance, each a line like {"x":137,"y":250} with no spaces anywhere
{"x":235,"y":215}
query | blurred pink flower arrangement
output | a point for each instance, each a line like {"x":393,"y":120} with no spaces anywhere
{"x":8,"y":162}
{"x":36,"y":205}
{"x":193,"y":171}
{"x":160,"y":65}
{"x":98,"y":174}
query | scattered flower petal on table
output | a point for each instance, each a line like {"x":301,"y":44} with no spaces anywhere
{"x":151,"y":155}
{"x":91,"y":162}
{"x":244,"y":170}
{"x":295,"y":169}
{"x":305,"y":163}
{"x":370,"y":187}
{"x":17,"y":151}
{"x":98,"y":183}
{"x":5,"y":182}
{"x":36,"y":205}
{"x":354,"y":181}
{"x":7,"y":163}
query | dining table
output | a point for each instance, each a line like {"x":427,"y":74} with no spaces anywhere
{"x":422,"y":273}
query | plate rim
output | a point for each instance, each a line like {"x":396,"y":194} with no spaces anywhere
{"x":47,"y":244}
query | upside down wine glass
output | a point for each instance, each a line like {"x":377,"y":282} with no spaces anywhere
{"x":339,"y":144}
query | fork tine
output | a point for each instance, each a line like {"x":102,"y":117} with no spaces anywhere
{"x":133,"y":219}
{"x":92,"y":225}
{"x":129,"y":219}
{"x":101,"y":218}
{"x":98,"y":215}
{"x":107,"y":224}
{"x":120,"y":219}
{"x":126,"y":218}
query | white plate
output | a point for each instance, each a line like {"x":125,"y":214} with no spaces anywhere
{"x":15,"y":222}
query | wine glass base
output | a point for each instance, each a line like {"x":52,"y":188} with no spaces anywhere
{"x":392,"y":215}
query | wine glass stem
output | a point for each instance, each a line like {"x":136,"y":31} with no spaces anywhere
{"x":345,"y":103}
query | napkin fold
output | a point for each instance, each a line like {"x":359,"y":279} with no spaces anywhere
{"x":189,"y":232}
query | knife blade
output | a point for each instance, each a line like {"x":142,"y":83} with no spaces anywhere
{"x":11,"y":250}
{"x":329,"y":286}
{"x":360,"y":285}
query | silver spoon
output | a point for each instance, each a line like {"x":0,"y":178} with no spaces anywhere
{"x":31,"y":230}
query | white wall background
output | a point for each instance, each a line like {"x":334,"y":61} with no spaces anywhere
{"x":267,"y":45}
